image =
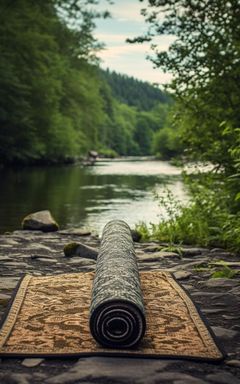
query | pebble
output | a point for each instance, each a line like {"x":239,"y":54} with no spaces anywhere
{"x":76,"y":232}
{"x":182,"y":275}
{"x":233,"y":363}
{"x":224,"y":333}
{"x":81,"y":261}
{"x":47,"y":260}
{"x":221,"y":282}
{"x":32,"y":362}
{"x":212,"y":310}
{"x":152,"y":248}
{"x":189,"y":252}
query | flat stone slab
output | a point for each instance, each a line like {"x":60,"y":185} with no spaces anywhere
{"x":156,"y":256}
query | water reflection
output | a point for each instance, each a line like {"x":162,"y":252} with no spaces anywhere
{"x":88,"y":196}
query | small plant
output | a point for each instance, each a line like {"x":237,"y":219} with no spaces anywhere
{"x":225,"y":271}
{"x":174,"y":248}
{"x":144,"y":231}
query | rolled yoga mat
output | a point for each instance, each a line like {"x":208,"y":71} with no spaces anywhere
{"x":117,"y":315}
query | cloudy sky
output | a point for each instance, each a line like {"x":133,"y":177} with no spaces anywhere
{"x":130,"y":59}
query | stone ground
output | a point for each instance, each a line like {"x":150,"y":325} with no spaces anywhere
{"x":42,"y":253}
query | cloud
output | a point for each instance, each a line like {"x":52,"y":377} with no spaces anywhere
{"x":116,"y":45}
{"x":123,"y":57}
{"x":124,"y":10}
{"x":122,"y":50}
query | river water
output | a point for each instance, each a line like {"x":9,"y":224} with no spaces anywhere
{"x":90,"y":196}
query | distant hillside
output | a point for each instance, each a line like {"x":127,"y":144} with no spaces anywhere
{"x":134,"y":92}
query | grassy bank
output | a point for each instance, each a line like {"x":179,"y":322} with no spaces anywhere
{"x":210,"y":219}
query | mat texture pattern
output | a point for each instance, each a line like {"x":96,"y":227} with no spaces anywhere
{"x":50,"y":317}
{"x":117,"y":315}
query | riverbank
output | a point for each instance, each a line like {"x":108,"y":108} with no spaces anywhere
{"x":41,"y":253}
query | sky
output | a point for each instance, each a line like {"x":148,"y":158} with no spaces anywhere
{"x":120,"y":56}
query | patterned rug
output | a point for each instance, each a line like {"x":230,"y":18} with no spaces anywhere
{"x":49,"y":316}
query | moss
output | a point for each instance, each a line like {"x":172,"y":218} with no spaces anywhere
{"x":70,"y":249}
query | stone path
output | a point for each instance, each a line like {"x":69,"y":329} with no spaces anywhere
{"x":219,"y":299}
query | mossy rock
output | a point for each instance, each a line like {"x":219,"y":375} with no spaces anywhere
{"x":70,"y":249}
{"x":79,"y":249}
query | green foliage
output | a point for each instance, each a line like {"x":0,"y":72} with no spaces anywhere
{"x":224,"y":271}
{"x":204,"y":60}
{"x":50,"y":107}
{"x":108,"y":153}
{"x":166,"y":144}
{"x":218,"y":269}
{"x":205,"y":221}
{"x":133,"y":92}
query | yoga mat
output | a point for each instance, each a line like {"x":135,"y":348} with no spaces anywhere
{"x":117,"y":315}
{"x":49,"y":317}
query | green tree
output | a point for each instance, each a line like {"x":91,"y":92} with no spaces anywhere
{"x":50,"y":102}
{"x":204,"y":60}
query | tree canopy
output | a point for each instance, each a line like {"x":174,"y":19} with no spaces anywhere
{"x":55,"y":104}
{"x":204,"y":60}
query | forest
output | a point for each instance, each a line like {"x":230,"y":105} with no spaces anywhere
{"x":55,"y":102}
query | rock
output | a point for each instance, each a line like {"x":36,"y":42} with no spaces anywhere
{"x":47,"y":260}
{"x":79,"y":249}
{"x":111,"y":370}
{"x":223,"y":378}
{"x":152,"y":248}
{"x":233,"y":363}
{"x":18,"y":378}
{"x":136,"y":236}
{"x":93,"y":154}
{"x":8,"y":282}
{"x":236,"y":291}
{"x":216,"y":250}
{"x":189,"y":252}
{"x":228,"y":263}
{"x":156,"y":256}
{"x":210,"y":311}
{"x":174,"y":377}
{"x":32,"y":362}
{"x":224,"y":333}
{"x":221,"y":282}
{"x":192,"y":264}
{"x":4,"y":297}
{"x":76,"y":232}
{"x":82,"y":262}
{"x":230,"y":317}
{"x":41,"y":220}
{"x":35,"y":257}
{"x":182,"y":275}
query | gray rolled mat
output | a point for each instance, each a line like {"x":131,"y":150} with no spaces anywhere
{"x":117,"y":317}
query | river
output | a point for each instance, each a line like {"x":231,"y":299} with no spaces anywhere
{"x":89,"y":196}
